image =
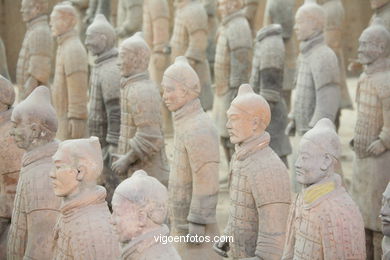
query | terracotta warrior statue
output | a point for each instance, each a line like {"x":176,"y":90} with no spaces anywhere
{"x":3,"y":61}
{"x":10,"y":161}
{"x":36,"y":207}
{"x":317,"y":93}
{"x":193,"y":180}
{"x":155,"y":28}
{"x":282,"y":12}
{"x":141,"y":141}
{"x":129,"y":18}
{"x":385,"y":218}
{"x":34,"y":63}
{"x":324,"y":222}
{"x":104,"y":109}
{"x":381,"y":10}
{"x":212,"y":26}
{"x":190,"y":39}
{"x":258,"y":182}
{"x":83,"y":230}
{"x":232,"y":64}
{"x":250,"y":9}
{"x":69,"y":92}
{"x":81,"y":7}
{"x":371,"y":141}
{"x":333,"y":32}
{"x":140,"y":208}
{"x":96,"y":7}
{"x":267,"y":80}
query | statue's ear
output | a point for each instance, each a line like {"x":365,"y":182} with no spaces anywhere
{"x":81,"y":172}
{"x":327,"y":161}
{"x":36,"y":130}
{"x":142,"y":216}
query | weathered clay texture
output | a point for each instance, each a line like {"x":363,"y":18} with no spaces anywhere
{"x":129,"y":18}
{"x":96,"y":7}
{"x":333,"y":33}
{"x":140,"y":207}
{"x":83,"y":230}
{"x":381,"y":10}
{"x":156,"y":33}
{"x":69,"y":91}
{"x":36,"y":207}
{"x":104,"y":108}
{"x":3,"y":61}
{"x":282,"y":12}
{"x":81,"y":7}
{"x":385,"y":217}
{"x":10,"y":162}
{"x":324,"y":222}
{"x":141,"y":141}
{"x":189,"y":39}
{"x":193,"y":180}
{"x":259,"y":186}
{"x":34,"y":62}
{"x":371,"y":140}
{"x":212,"y":26}
{"x":267,"y":80}
{"x":250,"y":9}
{"x":232,"y":64}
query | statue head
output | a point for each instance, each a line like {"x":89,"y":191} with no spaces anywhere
{"x":100,"y":36}
{"x":385,"y":212}
{"x":34,"y":120}
{"x":227,"y":7}
{"x":376,"y":4}
{"x":180,"y":84}
{"x":319,"y":150}
{"x":309,"y":21}
{"x":249,"y":115}
{"x":63,"y":18}
{"x":7,"y":94}
{"x":78,"y":165}
{"x":139,"y":204}
{"x":134,"y":55}
{"x":374,"y":43}
{"x":33,"y":8}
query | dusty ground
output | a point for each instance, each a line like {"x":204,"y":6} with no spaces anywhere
{"x":345,"y":132}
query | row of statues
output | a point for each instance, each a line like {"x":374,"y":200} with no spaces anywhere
{"x":59,"y":210}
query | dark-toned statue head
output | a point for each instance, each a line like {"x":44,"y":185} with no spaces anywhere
{"x":100,"y":36}
{"x":319,"y":151}
{"x":249,"y":115}
{"x":34,"y":120}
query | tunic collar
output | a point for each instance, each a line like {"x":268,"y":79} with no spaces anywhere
{"x":316,"y":193}
{"x":63,"y":37}
{"x":106,"y":55}
{"x":379,"y":65}
{"x":252,"y":145}
{"x":39,"y":153}
{"x":139,"y":244}
{"x":228,"y":18}
{"x":307,"y":45}
{"x":134,"y":78}
{"x":185,"y":111}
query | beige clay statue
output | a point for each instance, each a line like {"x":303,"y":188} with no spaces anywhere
{"x":104,"y":108}
{"x":3,"y":61}
{"x":381,"y":10}
{"x":36,"y":207}
{"x":140,"y":208}
{"x":129,"y":19}
{"x":385,"y":218}
{"x":83,"y":230}
{"x":232,"y":64}
{"x":155,"y":28}
{"x":10,"y":162}
{"x":193,"y":180}
{"x":34,"y":63}
{"x":324,"y":222}
{"x":190,"y":39}
{"x":69,"y":91}
{"x":371,"y":142}
{"x":141,"y":141}
{"x":259,"y":183}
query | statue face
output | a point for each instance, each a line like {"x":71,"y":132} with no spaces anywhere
{"x":95,"y":42}
{"x":125,"y":62}
{"x":375,"y":4}
{"x":125,"y":218}
{"x":304,"y":27}
{"x":23,"y":132}
{"x":369,"y":50}
{"x":64,"y":175}
{"x":240,"y":126}
{"x":309,"y":162}
{"x":29,"y":10}
{"x":59,"y":24}
{"x":385,"y":212}
{"x":175,"y":96}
